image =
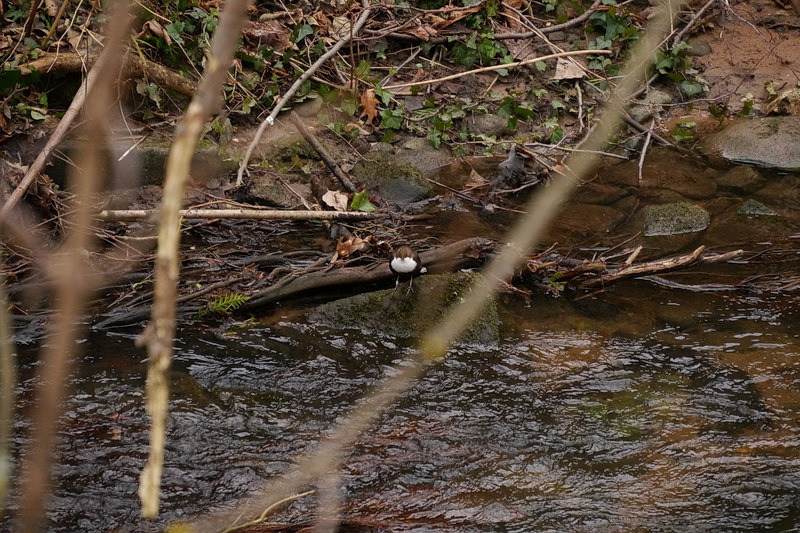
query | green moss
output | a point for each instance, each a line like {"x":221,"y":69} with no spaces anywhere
{"x":675,"y":218}
{"x":289,"y":148}
{"x":392,"y":177}
{"x":404,"y":313}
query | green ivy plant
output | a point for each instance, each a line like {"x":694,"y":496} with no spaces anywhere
{"x":614,"y":24}
{"x":675,"y":65}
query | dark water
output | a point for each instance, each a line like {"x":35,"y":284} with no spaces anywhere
{"x":652,"y":410}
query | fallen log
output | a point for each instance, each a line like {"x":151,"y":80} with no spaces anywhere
{"x":466,"y":253}
{"x":321,"y":276}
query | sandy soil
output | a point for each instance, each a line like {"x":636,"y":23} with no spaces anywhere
{"x":761,"y":45}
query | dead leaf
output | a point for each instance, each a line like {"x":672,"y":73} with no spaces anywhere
{"x":787,"y":103}
{"x":340,"y":28}
{"x":51,"y":7}
{"x":350,"y":246}
{"x":320,"y":20}
{"x":568,"y":69}
{"x":335,"y":199}
{"x":270,"y":33}
{"x":369,"y":101}
{"x":153,"y":27}
{"x":475,"y":180}
{"x":423,"y":33}
{"x":452,"y":17}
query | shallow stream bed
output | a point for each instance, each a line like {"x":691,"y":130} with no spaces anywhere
{"x":656,"y":410}
{"x":652,"y":406}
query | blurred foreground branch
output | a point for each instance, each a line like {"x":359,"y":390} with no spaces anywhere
{"x":8,"y":386}
{"x":159,"y":334}
{"x":73,"y":286}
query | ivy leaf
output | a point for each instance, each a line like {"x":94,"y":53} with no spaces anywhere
{"x":383,"y":94}
{"x":301,"y":32}
{"x":361,"y":202}
{"x":392,"y":119}
{"x":174,"y":31}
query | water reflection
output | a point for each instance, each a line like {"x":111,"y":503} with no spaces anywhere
{"x":583,"y":419}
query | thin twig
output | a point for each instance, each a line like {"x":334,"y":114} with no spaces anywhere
{"x":340,"y":174}
{"x":250,"y":214}
{"x":261,"y":519}
{"x":55,"y":139}
{"x":159,"y":336}
{"x":497,"y":67}
{"x":641,"y":129}
{"x":644,"y":150}
{"x":679,"y":36}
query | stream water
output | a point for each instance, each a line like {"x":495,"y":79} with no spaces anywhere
{"x":573,"y":423}
{"x":645,"y":408}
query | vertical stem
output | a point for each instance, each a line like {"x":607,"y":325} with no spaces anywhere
{"x":73,"y":283}
{"x":159,"y":335}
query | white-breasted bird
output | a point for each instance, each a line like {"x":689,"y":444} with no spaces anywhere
{"x":406,"y":263}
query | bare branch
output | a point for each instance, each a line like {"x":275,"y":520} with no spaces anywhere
{"x":159,"y":334}
{"x":252,"y":214}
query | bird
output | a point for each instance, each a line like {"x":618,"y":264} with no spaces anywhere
{"x":406,"y":263}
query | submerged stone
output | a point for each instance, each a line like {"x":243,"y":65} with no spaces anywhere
{"x":744,"y":179}
{"x":392,"y":177}
{"x":422,"y":154}
{"x":753,"y":208}
{"x":403,"y":313}
{"x":674,"y":219}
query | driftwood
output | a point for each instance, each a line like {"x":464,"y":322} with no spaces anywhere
{"x":655,"y":267}
{"x":133,"y":67}
{"x":462,"y":254}
{"x":253,"y":214}
{"x":468,"y":253}
{"x":319,"y":276}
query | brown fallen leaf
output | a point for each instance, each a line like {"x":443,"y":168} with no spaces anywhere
{"x":369,"y":101}
{"x":346,"y":248}
{"x":335,"y":199}
{"x":270,"y":33}
{"x":423,"y":32}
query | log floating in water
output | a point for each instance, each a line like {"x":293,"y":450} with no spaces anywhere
{"x":461,"y":254}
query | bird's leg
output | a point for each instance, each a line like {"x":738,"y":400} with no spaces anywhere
{"x":397,"y":283}
{"x":410,"y":285}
